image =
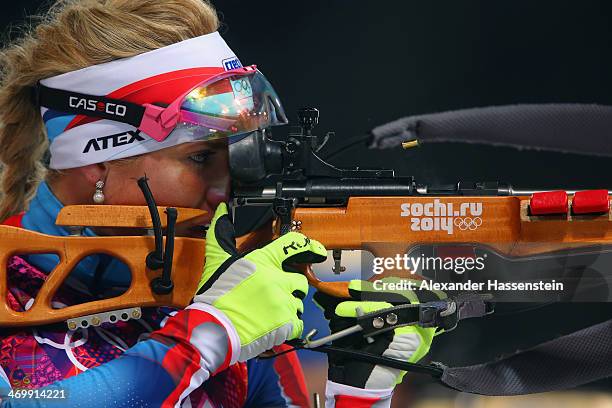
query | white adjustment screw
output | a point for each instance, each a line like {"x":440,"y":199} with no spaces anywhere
{"x":391,"y":319}
{"x":378,"y":323}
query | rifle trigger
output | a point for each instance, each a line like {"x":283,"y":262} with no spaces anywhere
{"x":338,"y":268}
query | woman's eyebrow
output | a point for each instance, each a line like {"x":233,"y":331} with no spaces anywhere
{"x":216,"y":143}
{"x":209,"y":144}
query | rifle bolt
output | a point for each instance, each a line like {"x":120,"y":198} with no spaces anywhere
{"x":310,"y":335}
{"x":378,"y":323}
{"x":391,"y":319}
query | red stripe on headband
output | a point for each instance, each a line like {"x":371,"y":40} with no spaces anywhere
{"x":162,"y":88}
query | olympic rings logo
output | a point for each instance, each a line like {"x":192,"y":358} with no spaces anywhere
{"x":242,"y":86}
{"x":467,"y":223}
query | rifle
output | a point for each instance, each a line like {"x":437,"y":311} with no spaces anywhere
{"x":360,"y":209}
{"x":342,"y":208}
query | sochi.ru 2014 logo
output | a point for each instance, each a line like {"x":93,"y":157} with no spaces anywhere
{"x":437,"y":216}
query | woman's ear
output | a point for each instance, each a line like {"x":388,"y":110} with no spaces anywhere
{"x":77,"y":185}
{"x":93,"y":173}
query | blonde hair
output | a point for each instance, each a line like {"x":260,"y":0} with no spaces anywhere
{"x":75,"y":34}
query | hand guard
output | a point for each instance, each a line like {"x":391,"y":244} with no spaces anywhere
{"x":256,"y":292}
{"x":408,"y":343}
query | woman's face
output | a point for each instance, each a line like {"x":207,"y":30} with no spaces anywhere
{"x":194,"y":175}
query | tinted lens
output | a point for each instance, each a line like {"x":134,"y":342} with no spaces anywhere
{"x":233,"y":105}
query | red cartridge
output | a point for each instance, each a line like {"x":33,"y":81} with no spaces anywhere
{"x":591,"y":202}
{"x":548,"y":203}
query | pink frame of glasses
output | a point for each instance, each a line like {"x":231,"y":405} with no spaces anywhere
{"x":158,"y":122}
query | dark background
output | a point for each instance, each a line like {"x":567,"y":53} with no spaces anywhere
{"x":364,"y":63}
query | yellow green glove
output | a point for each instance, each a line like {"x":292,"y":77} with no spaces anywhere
{"x":262,"y":300}
{"x":408,"y":343}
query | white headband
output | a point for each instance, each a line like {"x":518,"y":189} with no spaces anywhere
{"x":104,"y":140}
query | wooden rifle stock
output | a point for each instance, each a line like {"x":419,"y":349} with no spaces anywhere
{"x":505,"y":225}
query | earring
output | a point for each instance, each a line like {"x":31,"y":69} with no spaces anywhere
{"x":98,"y":196}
